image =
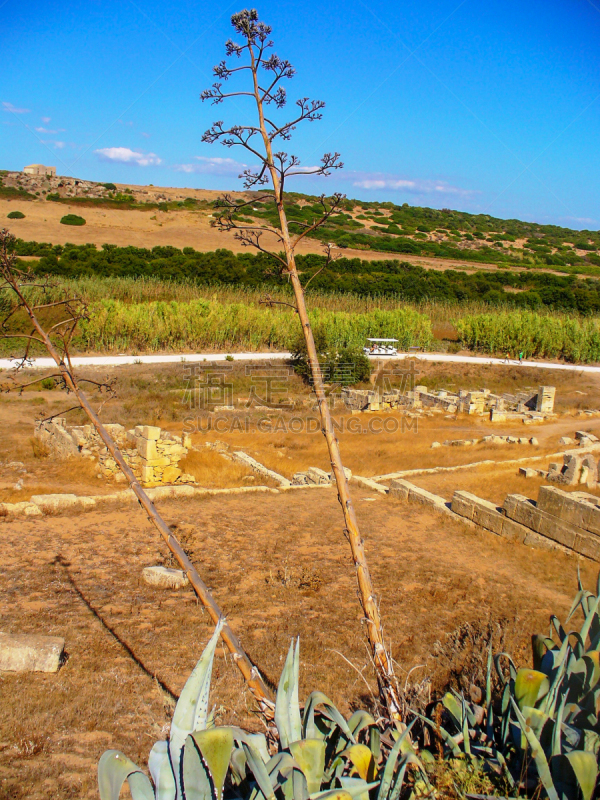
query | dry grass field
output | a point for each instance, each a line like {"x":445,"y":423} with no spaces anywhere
{"x":280,"y":567}
{"x":278,"y":563}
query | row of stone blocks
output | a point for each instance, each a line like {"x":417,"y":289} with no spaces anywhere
{"x":558,"y":519}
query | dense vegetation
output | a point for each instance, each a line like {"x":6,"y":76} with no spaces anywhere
{"x":534,"y":334}
{"x":532,"y":289}
{"x":15,"y":215}
{"x":72,"y":219}
{"x":443,"y":233}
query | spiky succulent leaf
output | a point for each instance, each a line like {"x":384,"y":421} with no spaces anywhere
{"x":362,"y":760}
{"x":114,"y":768}
{"x":357,"y":787}
{"x":538,"y":755}
{"x":575,"y":770}
{"x":214,"y":748}
{"x":160,"y":768}
{"x":259,"y":770}
{"x":315,"y":699}
{"x":191,"y":711}
{"x":309,"y":754}
{"x":391,"y":763}
{"x":530,"y":686}
{"x":287,"y":706}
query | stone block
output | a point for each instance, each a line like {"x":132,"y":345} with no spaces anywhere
{"x":553,"y":528}
{"x":164,"y":578}
{"x":425,"y":498}
{"x":566,"y":440}
{"x":488,"y":516}
{"x":146,"y":448}
{"x":588,"y":545}
{"x":50,"y":503}
{"x":21,"y":652}
{"x":317,"y":476}
{"x":147,"y":474}
{"x":522,"y":510}
{"x":371,"y":485}
{"x":171,"y":474}
{"x":159,"y":461}
{"x":148,"y":432}
{"x":462,"y":504}
{"x":513,"y":531}
{"x":400,"y":489}
{"x":551,"y":500}
{"x":571,"y":469}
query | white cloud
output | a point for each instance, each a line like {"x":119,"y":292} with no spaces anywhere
{"x":127,"y":156}
{"x":380,"y":180}
{"x":13,"y":110}
{"x":46,"y":120}
{"x":56,"y":145}
{"x":145,"y":135}
{"x":45,"y":130}
{"x":213,"y":166}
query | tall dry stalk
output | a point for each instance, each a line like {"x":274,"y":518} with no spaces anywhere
{"x":276,"y":167}
{"x":56,"y":341}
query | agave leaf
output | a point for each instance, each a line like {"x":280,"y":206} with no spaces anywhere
{"x":560,"y":631}
{"x":309,"y":729}
{"x":195,"y":778}
{"x":238,"y":765}
{"x":357,"y":787}
{"x":215,"y":746}
{"x":448,"y":738}
{"x":556,"y":735}
{"x":576,"y":769}
{"x":287,"y":706}
{"x":465,"y":730}
{"x":160,"y":768}
{"x":257,"y":741}
{"x":511,"y":667}
{"x":591,"y":616}
{"x":360,"y":720}
{"x":538,"y":755}
{"x":192,"y":707}
{"x":310,"y":756}
{"x":114,"y":768}
{"x":259,"y":770}
{"x":454,"y":708}
{"x":390,"y":764}
{"x":375,"y":742}
{"x":332,"y":794}
{"x":530,"y":686}
{"x":362,"y":760}
{"x":540,"y":645}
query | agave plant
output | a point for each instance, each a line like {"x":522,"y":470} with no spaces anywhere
{"x":545,"y":726}
{"x":320,"y":755}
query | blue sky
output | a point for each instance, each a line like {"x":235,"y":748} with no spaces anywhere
{"x":485,"y":107}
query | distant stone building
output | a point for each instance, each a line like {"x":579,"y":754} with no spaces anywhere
{"x":39,"y":169}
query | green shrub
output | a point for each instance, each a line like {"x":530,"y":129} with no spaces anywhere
{"x":53,"y":196}
{"x":16,"y":215}
{"x":72,"y":219}
{"x":110,"y":186}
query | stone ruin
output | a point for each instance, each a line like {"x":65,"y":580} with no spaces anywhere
{"x":152,"y":454}
{"x":64,"y":186}
{"x":502,"y":407}
{"x":577,"y":467}
{"x":570,"y":520}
